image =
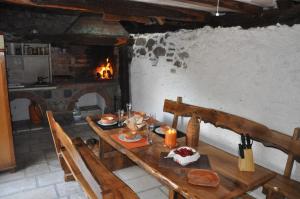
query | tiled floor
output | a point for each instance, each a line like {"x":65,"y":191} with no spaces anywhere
{"x":39,"y":174}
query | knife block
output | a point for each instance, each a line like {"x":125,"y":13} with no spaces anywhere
{"x":247,"y":163}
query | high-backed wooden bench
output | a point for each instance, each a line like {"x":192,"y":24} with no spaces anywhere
{"x":279,"y":187}
{"x":95,"y":179}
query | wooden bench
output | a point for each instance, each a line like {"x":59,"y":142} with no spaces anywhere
{"x":281,"y":186}
{"x":95,"y":179}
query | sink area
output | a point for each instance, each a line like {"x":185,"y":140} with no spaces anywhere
{"x":35,"y":86}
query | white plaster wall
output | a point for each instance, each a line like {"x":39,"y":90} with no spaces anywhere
{"x":253,"y":73}
{"x":20,"y":109}
{"x":91,"y":99}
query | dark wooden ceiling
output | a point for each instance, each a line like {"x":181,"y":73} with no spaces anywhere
{"x":138,"y":16}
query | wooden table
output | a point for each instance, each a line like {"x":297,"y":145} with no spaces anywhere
{"x":233,"y":182}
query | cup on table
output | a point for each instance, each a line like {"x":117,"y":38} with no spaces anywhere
{"x":120,"y":117}
{"x":150,"y":128}
{"x":129,"y":109}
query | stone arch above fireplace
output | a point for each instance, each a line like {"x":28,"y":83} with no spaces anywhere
{"x":108,"y":101}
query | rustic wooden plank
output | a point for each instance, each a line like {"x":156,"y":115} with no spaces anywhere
{"x":231,"y":4}
{"x":57,"y":145}
{"x":104,"y":177}
{"x":283,"y":186}
{"x":287,"y":187}
{"x":64,"y":5}
{"x":7,"y":154}
{"x":140,"y":9}
{"x":90,"y":185}
{"x":237,"y":124}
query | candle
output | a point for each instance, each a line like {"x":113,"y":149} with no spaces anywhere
{"x":170,"y":138}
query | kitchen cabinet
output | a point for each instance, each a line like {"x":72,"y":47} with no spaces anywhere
{"x":7,"y":157}
{"x":28,"y":61}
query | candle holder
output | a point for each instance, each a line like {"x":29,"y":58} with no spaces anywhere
{"x":170,"y":138}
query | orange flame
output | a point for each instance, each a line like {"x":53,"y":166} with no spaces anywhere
{"x":105,"y":71}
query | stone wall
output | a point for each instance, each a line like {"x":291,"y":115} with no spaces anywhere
{"x":253,"y":73}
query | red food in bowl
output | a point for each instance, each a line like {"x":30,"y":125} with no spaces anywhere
{"x":184,"y":152}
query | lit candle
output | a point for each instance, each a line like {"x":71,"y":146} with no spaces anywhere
{"x":170,"y":138}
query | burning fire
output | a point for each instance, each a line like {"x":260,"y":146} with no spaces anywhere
{"x":105,"y":71}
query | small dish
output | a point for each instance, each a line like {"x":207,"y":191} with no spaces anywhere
{"x":123,"y":137}
{"x":161,"y":130}
{"x":184,"y":159}
{"x":108,"y":119}
{"x":103,"y":124}
{"x":203,"y":177}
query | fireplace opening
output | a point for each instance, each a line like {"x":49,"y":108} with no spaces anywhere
{"x":80,"y":64}
{"x":105,"y":70}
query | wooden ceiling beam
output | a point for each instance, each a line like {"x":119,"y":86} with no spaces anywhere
{"x":234,"y":5}
{"x":117,"y":18}
{"x":91,"y":7}
{"x":137,"y":9}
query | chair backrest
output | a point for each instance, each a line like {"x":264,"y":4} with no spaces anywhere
{"x":239,"y":125}
{"x":66,"y":146}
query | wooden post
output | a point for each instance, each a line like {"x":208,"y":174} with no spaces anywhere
{"x":7,"y":155}
{"x":124,"y":75}
{"x":290,"y":161}
{"x":175,"y":120}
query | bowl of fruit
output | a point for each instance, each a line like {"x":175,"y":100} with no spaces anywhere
{"x":184,"y":155}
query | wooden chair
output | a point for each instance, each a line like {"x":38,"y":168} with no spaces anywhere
{"x":95,"y":179}
{"x":259,"y":132}
{"x":283,"y":186}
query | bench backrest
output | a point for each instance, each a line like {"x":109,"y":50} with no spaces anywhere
{"x":57,"y":145}
{"x":75,"y":161}
{"x":239,"y":125}
{"x":95,"y":179}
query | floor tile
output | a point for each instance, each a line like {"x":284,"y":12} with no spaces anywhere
{"x":79,"y":196}
{"x":153,"y":194}
{"x":164,"y":189}
{"x":68,"y":188}
{"x":50,"y":178}
{"x":36,"y":169}
{"x":143,"y":183}
{"x":9,"y":176}
{"x":54,"y":165}
{"x":17,"y":186}
{"x":39,"y":193}
{"x":130,"y":173}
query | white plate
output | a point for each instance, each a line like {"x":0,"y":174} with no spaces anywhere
{"x":122,"y":137}
{"x":159,"y":131}
{"x":99,"y":122}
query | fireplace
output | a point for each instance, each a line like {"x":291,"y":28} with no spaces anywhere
{"x":82,"y":64}
{"x":78,"y":75}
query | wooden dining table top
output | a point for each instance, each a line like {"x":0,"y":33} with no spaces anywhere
{"x":233,"y":182}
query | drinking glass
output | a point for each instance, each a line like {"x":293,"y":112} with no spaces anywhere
{"x":150,"y":128}
{"x":119,"y":118}
{"x":129,"y":109}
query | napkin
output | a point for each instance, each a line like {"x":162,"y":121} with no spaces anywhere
{"x":135,"y":122}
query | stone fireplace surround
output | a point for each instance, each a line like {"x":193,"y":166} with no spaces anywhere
{"x":64,"y":97}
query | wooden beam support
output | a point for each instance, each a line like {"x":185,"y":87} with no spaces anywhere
{"x":234,"y":5}
{"x":111,"y":17}
{"x":64,"y":5}
{"x":138,"y":9}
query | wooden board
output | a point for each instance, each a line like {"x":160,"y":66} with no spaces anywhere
{"x":7,"y":157}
